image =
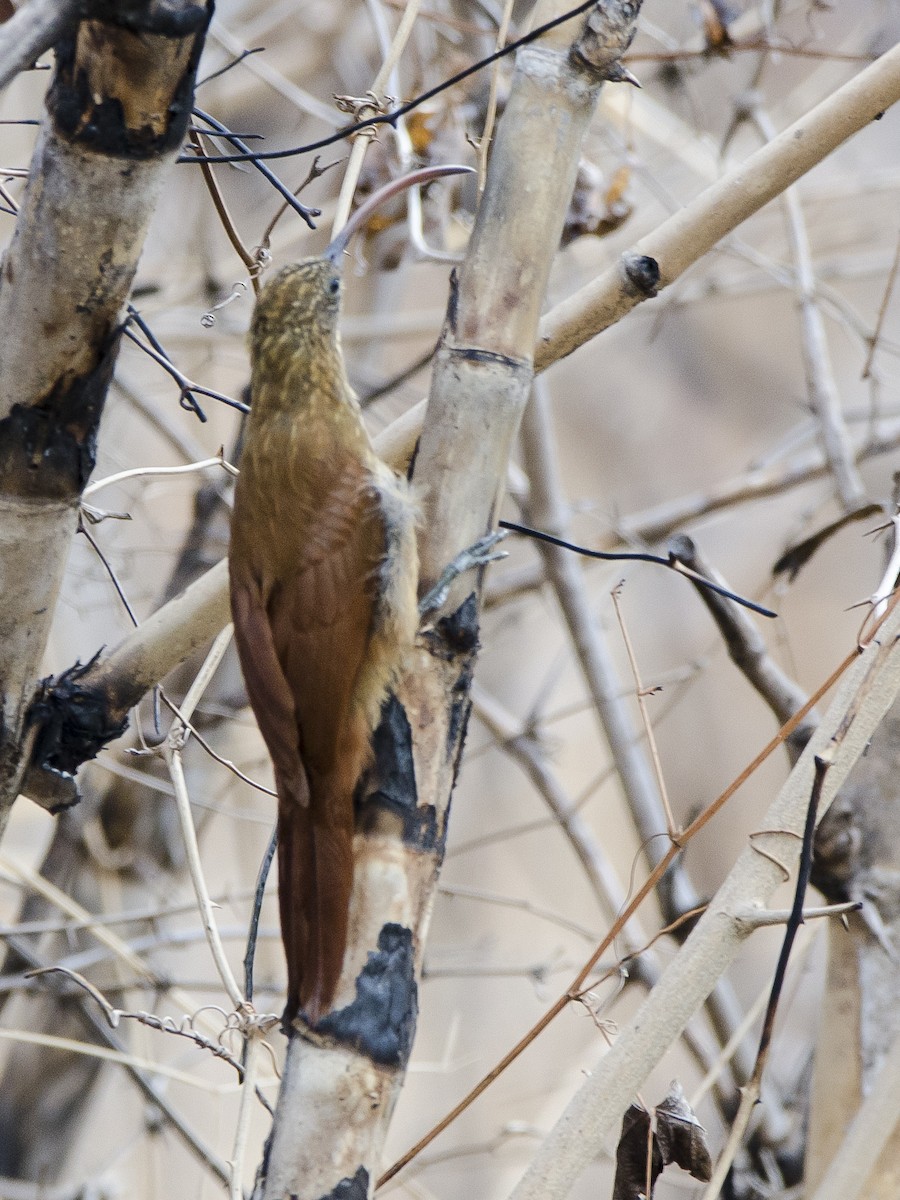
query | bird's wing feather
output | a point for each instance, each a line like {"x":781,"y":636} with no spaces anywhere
{"x":304,"y":591}
{"x":271,"y":697}
{"x":322,"y":618}
{"x":321,"y":622}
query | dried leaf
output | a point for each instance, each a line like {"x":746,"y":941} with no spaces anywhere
{"x":681,"y":1137}
{"x":632,"y":1157}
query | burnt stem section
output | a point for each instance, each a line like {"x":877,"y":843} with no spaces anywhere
{"x":117,"y":111}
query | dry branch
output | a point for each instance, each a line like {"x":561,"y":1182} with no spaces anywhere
{"x":676,"y":892}
{"x":195,"y":617}
{"x":821,"y":386}
{"x":870,"y":1131}
{"x":747,"y":649}
{"x":865,"y":695}
{"x":523,"y":746}
{"x":686,"y":237}
{"x":858,"y":859}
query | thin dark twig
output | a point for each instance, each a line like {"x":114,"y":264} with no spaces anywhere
{"x":247,"y":155}
{"x":188,"y":400}
{"x":134,"y":316}
{"x":391,"y":118}
{"x":315,"y":172}
{"x":225,"y":217}
{"x":228,"y":66}
{"x":796,"y":918}
{"x":187,"y":386}
{"x":201,"y":740}
{"x":253,"y":932}
{"x":82,"y":528}
{"x":12,"y":207}
{"x":672,"y":562}
{"x":247,"y":137}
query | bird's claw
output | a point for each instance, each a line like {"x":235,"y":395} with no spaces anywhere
{"x":479,"y":554}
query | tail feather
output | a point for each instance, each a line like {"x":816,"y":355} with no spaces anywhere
{"x":315,"y":878}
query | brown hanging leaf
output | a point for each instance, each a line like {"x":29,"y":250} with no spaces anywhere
{"x":681,"y":1137}
{"x":637,"y":1151}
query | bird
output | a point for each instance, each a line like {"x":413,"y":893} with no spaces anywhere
{"x":323,"y":583}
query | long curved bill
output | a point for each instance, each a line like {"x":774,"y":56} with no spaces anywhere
{"x":361,"y":216}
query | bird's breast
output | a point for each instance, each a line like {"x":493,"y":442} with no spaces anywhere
{"x":305,"y":490}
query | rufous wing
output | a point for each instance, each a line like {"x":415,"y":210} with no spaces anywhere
{"x":268,"y":691}
{"x":301,"y":672}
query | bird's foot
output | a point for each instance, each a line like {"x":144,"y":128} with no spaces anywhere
{"x":477,"y":555}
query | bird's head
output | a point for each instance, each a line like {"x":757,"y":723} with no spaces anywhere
{"x":301,"y":305}
{"x":303,"y":298}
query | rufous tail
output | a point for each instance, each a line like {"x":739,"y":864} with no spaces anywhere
{"x":315,"y":878}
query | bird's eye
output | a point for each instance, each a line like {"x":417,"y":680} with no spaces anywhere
{"x":334,"y":285}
